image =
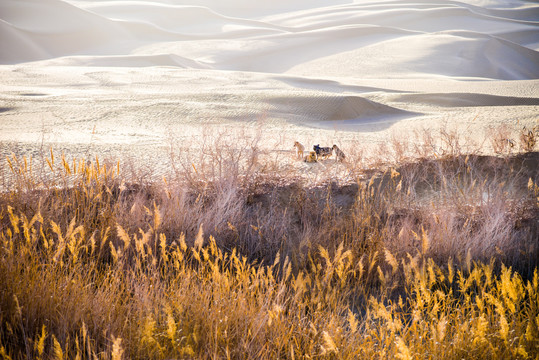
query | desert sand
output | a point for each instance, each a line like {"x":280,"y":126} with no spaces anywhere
{"x":139,"y":79}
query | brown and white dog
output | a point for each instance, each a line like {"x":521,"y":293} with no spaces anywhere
{"x":299,"y":149}
{"x":311,"y":158}
{"x":339,"y":155}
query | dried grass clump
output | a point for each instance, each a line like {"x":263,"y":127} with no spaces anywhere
{"x":156,"y":298}
{"x":528,"y":138}
{"x":501,"y":139}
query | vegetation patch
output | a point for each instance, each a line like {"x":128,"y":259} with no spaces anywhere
{"x":430,"y":258}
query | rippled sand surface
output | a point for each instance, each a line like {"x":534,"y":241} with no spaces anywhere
{"x":139,"y":80}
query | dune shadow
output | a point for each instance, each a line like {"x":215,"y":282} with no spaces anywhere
{"x":466,"y":99}
{"x":331,"y":85}
{"x":33,"y":94}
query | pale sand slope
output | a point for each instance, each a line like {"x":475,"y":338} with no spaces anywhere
{"x":134,"y":78}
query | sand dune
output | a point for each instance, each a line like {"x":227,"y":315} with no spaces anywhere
{"x":133,"y":71}
{"x":128,"y":61}
{"x":330,"y":111}
{"x":367,"y":39}
{"x":454,"y":54}
{"x":56,"y":28}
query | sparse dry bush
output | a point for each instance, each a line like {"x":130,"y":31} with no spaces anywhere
{"x":528,"y":138}
{"x":501,"y":139}
{"x":426,"y":145}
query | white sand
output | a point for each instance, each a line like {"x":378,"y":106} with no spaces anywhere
{"x":137,"y":77}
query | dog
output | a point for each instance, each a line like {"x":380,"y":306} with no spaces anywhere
{"x":322,"y":152}
{"x":339,"y":155}
{"x":311,"y":158}
{"x":299,"y":149}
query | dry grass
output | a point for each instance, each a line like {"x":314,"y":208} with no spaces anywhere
{"x":232,"y":257}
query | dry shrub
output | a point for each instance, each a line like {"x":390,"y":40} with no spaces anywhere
{"x":528,"y":138}
{"x":169,"y":300}
{"x":426,"y":145}
{"x":501,"y":139}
